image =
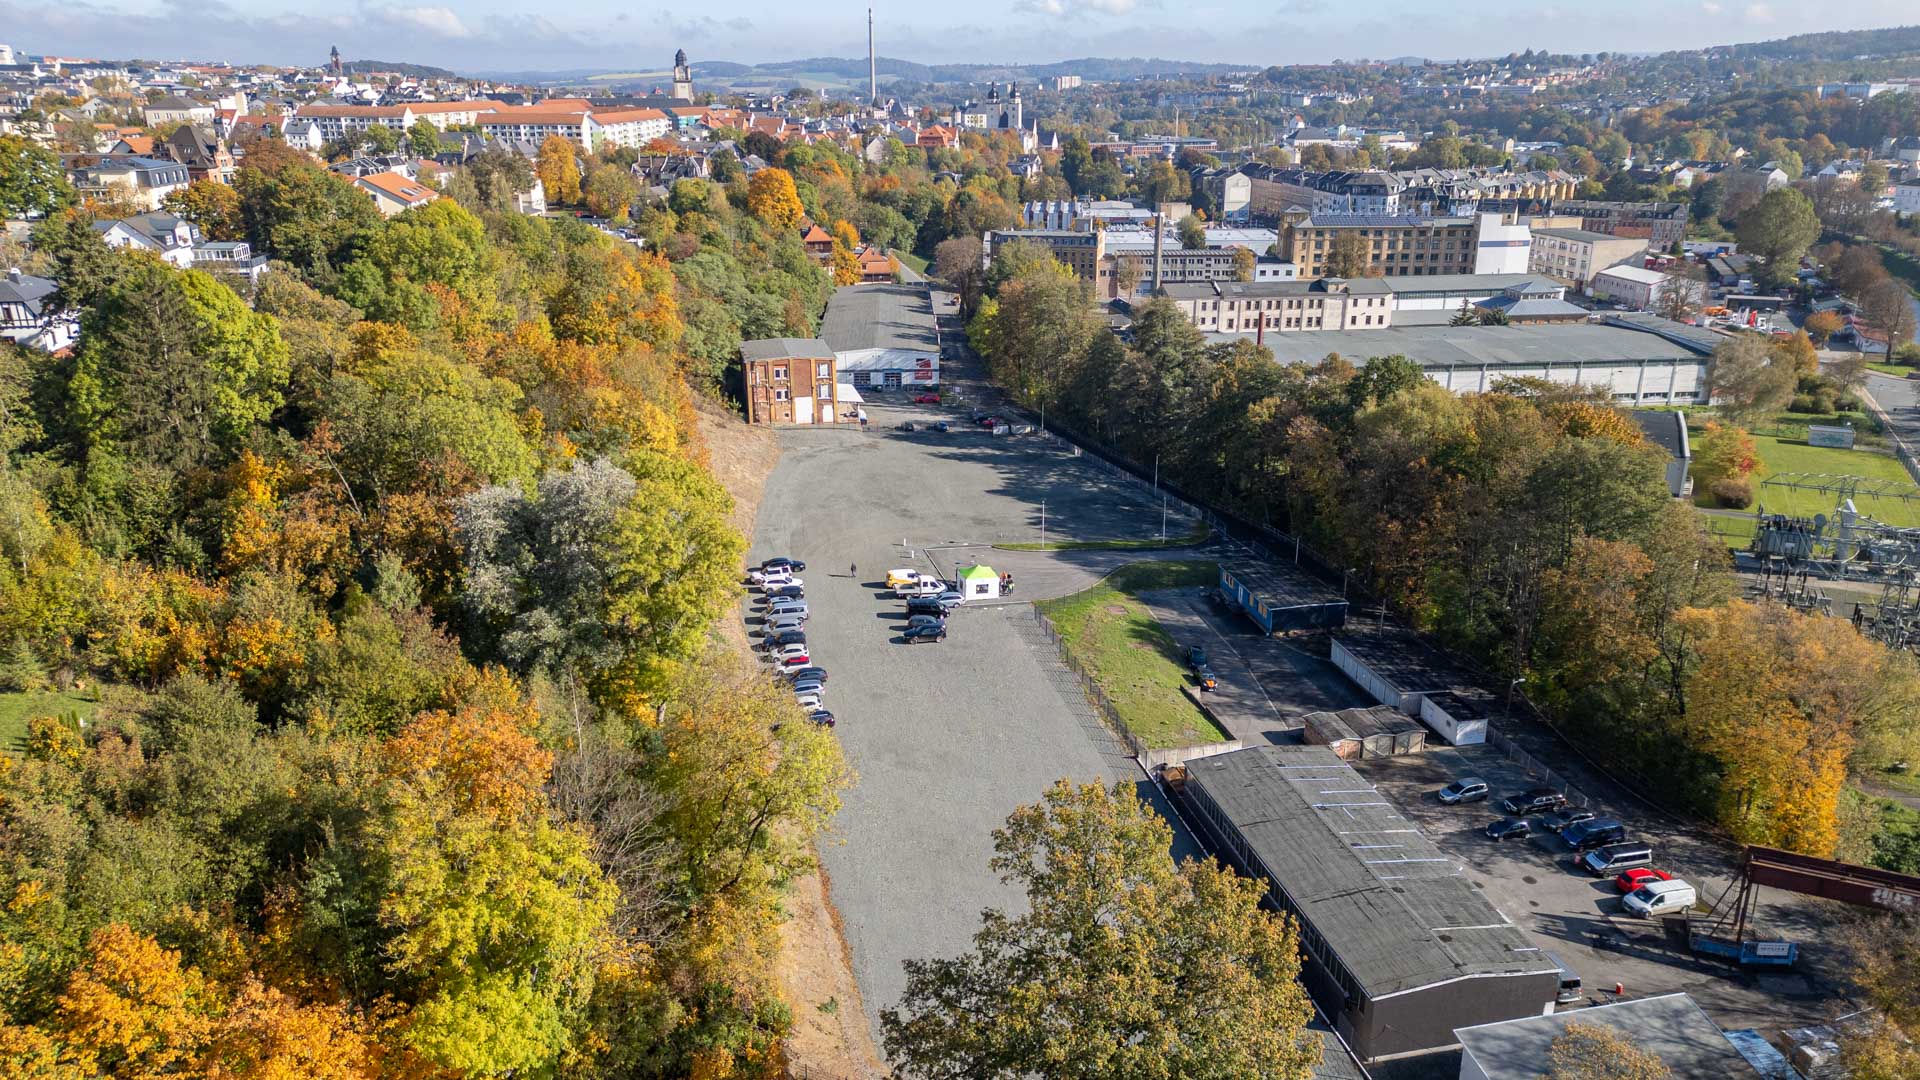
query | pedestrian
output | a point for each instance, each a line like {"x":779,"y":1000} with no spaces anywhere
{"x":853,"y":571}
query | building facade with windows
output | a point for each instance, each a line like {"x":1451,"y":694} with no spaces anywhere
{"x":1395,"y":244}
{"x":790,"y":381}
{"x":1263,"y":307}
{"x":1575,"y":256}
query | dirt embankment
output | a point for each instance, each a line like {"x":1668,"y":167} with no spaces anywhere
{"x":830,"y":1037}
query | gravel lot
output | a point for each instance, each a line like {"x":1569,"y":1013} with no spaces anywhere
{"x":947,"y":738}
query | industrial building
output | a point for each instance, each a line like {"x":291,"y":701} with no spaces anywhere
{"x":1636,"y":358}
{"x":1401,"y":948}
{"x":1401,"y":670}
{"x":1281,"y":598}
{"x":883,"y":335}
{"x":1672,"y":1026}
{"x":790,"y":381}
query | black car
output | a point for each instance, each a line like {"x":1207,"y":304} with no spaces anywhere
{"x":915,"y":621}
{"x":1196,"y":659}
{"x":821,"y":717}
{"x":794,"y":565}
{"x":1513,"y":828}
{"x":774,"y":642}
{"x":799,"y":674}
{"x":1203,"y":676}
{"x":926,"y":605}
{"x":1562,"y":820}
{"x":933,"y":632}
{"x":794,"y":591}
{"x":1594,"y":834}
{"x":1534,"y":800}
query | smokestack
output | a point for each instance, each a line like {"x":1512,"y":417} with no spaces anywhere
{"x":1159,"y":239}
{"x":873,"y":69}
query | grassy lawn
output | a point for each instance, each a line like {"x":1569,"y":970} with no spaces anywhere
{"x":1136,"y":663}
{"x":1781,"y":455}
{"x":1898,"y":371}
{"x":909,"y":258}
{"x":1195,"y":535}
{"x":17,"y":709}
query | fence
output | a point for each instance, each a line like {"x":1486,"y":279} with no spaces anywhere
{"x":1535,"y":770}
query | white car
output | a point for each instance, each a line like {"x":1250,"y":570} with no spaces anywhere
{"x":926,"y":586}
{"x":794,"y":655}
{"x":808,"y":701}
{"x":781,"y":583}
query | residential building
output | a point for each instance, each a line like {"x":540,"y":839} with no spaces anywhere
{"x":1260,"y":307}
{"x":534,"y":123}
{"x":633,"y":128}
{"x":1754,"y":181}
{"x":1660,"y":224}
{"x":395,"y":194}
{"x":818,"y":242}
{"x":171,"y":238}
{"x":790,"y":381}
{"x":1576,"y":255}
{"x":204,"y":153}
{"x":229,"y":257}
{"x":175,"y":109}
{"x":146,"y":182}
{"x":1228,"y":191}
{"x":1671,"y":1027}
{"x":1906,"y":197}
{"x":875,"y":264}
{"x":1395,"y":977}
{"x":884,"y":335}
{"x":27,"y":316}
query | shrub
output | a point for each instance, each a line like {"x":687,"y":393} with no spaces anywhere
{"x":1801,"y":403}
{"x":1732,"y":494}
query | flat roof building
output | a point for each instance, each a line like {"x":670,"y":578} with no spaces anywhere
{"x":1401,"y":948}
{"x":1672,"y":1026}
{"x":884,"y":335}
{"x":1279,"y":598}
{"x":1400,"y":669}
{"x":1635,"y":357}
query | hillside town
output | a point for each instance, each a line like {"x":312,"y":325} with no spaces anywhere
{"x":431,"y":506}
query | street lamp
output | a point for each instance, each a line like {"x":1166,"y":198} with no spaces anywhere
{"x":1345,"y":576}
{"x":1510,"y":687}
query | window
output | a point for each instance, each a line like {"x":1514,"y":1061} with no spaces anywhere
{"x":823,"y":391}
{"x":779,"y":373}
{"x":780,"y":394}
{"x":822,"y":371}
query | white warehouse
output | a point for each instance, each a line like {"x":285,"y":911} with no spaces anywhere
{"x":1401,"y":670}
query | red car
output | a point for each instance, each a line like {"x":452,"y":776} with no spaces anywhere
{"x":926,"y":399}
{"x":1630,"y":880}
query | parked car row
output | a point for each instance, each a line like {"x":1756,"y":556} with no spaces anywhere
{"x":1600,"y":845}
{"x":929,"y":600}
{"x":784,"y":613}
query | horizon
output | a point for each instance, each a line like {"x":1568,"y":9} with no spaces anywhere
{"x":484,"y":38}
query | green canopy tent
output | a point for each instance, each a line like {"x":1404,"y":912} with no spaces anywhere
{"x":979,"y":583}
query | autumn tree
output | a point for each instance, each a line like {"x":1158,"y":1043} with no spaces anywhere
{"x":1244,"y":263}
{"x":558,"y":167}
{"x":1091,"y":980}
{"x":1601,"y":1052}
{"x":1193,"y":233}
{"x":1884,"y":957}
{"x":1822,"y":325}
{"x":1797,"y":351}
{"x":1887,"y":306}
{"x":213,"y":206}
{"x":772,"y":197}
{"x":1748,"y":380}
{"x":957,"y":264}
{"x":1349,"y":256}
{"x":1723,"y":452}
{"x":1678,"y":297}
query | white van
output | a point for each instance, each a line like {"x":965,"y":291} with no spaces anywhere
{"x":1661,"y":898}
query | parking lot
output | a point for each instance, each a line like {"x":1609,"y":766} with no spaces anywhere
{"x":947,"y":738}
{"x":1580,"y":919}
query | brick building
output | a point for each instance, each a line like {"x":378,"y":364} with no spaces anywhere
{"x":790,"y":381}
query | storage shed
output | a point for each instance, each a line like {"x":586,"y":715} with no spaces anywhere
{"x":1401,"y":948}
{"x":1382,"y":731}
{"x":1279,"y":598}
{"x":1401,"y":670}
{"x":1687,"y":1041}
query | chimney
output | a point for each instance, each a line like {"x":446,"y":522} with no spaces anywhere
{"x":13,"y":274}
{"x":873,"y":69}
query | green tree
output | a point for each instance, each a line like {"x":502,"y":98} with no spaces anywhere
{"x":439,"y":244}
{"x":173,"y":367}
{"x":1193,"y":233}
{"x":1094,"y":979}
{"x":1778,"y":230}
{"x":32,"y":182}
{"x":423,"y":139}
{"x":303,"y":214}
{"x":1349,"y":256}
{"x":1748,"y":379}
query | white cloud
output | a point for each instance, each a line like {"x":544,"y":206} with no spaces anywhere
{"x":1759,"y":13}
{"x":1712,"y":7}
{"x":1066,"y":7}
{"x":438,"y":21}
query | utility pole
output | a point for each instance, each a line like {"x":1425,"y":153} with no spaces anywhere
{"x":1163,"y":517}
{"x":1043,"y":524}
{"x":1156,"y":472}
{"x":873,"y":69}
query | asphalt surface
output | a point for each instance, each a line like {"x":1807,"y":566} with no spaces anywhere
{"x":948,"y":738}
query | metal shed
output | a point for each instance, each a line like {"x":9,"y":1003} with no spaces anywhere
{"x":1401,"y":670}
{"x":1381,"y":731}
{"x":1279,"y":598}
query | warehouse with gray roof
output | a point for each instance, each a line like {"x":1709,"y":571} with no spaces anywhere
{"x":1401,"y":948}
{"x":884,"y":334}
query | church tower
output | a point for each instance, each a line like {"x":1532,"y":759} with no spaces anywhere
{"x":682,"y":77}
{"x":1017,"y":125}
{"x":334,"y":64}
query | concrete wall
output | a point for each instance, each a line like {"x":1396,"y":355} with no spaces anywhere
{"x":1457,"y":732}
{"x":1383,"y":691}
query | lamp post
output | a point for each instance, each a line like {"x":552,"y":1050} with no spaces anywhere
{"x":1345,"y":576}
{"x":1510,"y":688}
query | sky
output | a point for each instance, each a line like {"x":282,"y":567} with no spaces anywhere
{"x":499,"y":35}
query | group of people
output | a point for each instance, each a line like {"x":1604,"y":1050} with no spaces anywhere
{"x":1006,"y":583}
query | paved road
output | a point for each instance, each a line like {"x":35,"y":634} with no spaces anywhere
{"x":947,"y":738}
{"x":1900,"y":398}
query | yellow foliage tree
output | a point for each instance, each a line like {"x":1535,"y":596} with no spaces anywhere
{"x":266,"y":1035}
{"x":132,"y":1008}
{"x":559,"y":169}
{"x":772,"y":198}
{"x":1590,"y":420}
